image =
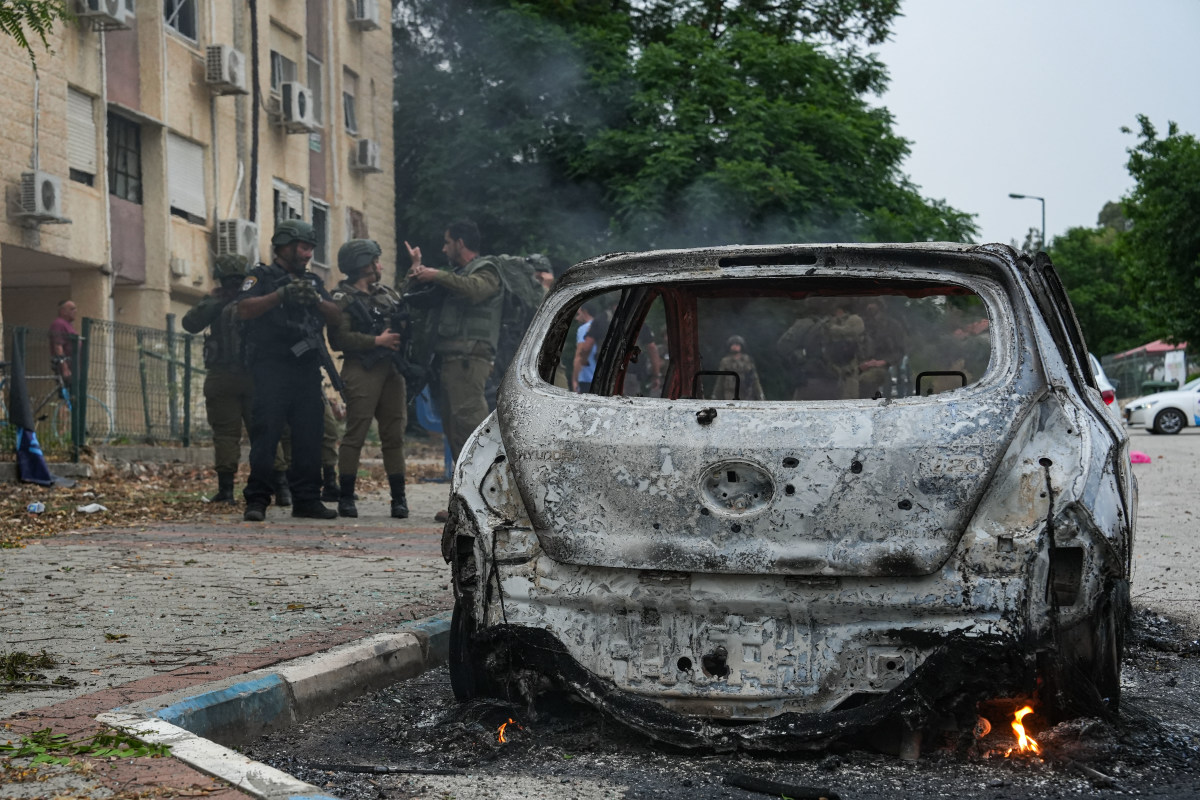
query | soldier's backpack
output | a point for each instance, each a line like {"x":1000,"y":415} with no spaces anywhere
{"x":522,"y":295}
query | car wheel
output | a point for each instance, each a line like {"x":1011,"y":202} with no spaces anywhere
{"x":1083,"y":676}
{"x":1170,"y":420}
{"x":463,"y":660}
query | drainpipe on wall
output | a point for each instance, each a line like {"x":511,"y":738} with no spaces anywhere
{"x":37,"y":112}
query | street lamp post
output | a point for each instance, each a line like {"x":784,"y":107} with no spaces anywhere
{"x":1041,"y":200}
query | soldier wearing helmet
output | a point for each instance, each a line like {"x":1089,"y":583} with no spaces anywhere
{"x":228,"y":385}
{"x":285,"y":308}
{"x":370,"y":336}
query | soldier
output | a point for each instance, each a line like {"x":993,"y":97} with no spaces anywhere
{"x":286,"y":308}
{"x":370,"y":339}
{"x":228,"y":386}
{"x":738,"y":360}
{"x":468,"y":328}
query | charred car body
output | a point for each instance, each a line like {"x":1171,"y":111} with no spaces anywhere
{"x":926,"y":505}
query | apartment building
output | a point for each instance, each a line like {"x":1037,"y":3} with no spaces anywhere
{"x":160,"y":133}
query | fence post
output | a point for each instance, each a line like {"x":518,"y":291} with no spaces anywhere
{"x":187,"y":390}
{"x":172,"y":388}
{"x":141,"y":345}
{"x":80,"y":387}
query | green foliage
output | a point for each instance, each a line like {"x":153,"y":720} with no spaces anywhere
{"x":18,"y":18}
{"x":582,"y":126}
{"x":1163,"y":241}
{"x":45,"y":746}
{"x":1089,"y":263}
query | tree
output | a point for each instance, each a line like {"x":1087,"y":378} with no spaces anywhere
{"x":585,"y":126}
{"x":1163,"y":242}
{"x":1089,"y":263}
{"x":18,"y":18}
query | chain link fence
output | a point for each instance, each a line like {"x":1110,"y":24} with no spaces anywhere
{"x":1139,"y":373}
{"x":129,"y":385}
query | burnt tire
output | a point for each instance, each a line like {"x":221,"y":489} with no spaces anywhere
{"x":467,"y":679}
{"x":1169,"y":421}
{"x":1083,"y":676}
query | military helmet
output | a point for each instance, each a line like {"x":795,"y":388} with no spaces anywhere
{"x":358,"y":254}
{"x":735,"y":339}
{"x":539,"y":263}
{"x":293,"y":230}
{"x":230,"y":266}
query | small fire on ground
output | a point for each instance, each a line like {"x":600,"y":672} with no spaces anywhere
{"x":1025,"y":744}
{"x":500,"y":737}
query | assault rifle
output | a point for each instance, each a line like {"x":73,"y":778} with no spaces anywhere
{"x":312,"y":339}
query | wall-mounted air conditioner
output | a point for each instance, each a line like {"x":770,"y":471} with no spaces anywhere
{"x":237,"y":237}
{"x":225,"y":69}
{"x":106,"y":15}
{"x":296,"y":108}
{"x":40,"y":198}
{"x":364,"y":14}
{"x":365,"y":156}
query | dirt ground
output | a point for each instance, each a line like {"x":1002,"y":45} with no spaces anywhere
{"x":424,"y":745}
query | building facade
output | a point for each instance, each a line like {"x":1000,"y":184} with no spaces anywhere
{"x":159,"y":134}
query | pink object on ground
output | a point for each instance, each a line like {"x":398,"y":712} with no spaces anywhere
{"x":1138,"y":457}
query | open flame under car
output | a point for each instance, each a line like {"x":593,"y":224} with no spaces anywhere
{"x":810,"y":489}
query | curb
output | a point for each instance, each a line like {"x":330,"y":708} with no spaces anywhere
{"x":200,"y":723}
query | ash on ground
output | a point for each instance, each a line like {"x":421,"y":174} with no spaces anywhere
{"x":423,"y":744}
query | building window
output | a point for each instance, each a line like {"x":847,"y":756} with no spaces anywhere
{"x":349,"y":111}
{"x":180,"y":15}
{"x":320,"y":223}
{"x":317,"y":88}
{"x":283,"y":70}
{"x":124,"y":158}
{"x":81,"y":137}
{"x":356,"y":224}
{"x":289,"y":201}
{"x":185,"y":179}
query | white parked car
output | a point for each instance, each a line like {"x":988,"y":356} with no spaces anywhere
{"x":1107,"y":390}
{"x":1166,"y":412}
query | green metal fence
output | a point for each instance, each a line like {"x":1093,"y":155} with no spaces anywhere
{"x":130,"y":385}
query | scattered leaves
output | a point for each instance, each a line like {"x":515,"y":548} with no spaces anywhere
{"x":116,"y":637}
{"x":46,"y":746}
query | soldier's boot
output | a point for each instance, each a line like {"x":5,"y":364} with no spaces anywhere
{"x":255,"y":512}
{"x":224,"y":489}
{"x":312,"y":509}
{"x":399,"y":503}
{"x":329,"y":485}
{"x":283,"y":492}
{"x":346,"y":506}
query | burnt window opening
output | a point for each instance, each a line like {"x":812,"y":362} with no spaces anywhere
{"x":780,"y":339}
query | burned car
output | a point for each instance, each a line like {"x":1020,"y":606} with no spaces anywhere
{"x":812,"y":490}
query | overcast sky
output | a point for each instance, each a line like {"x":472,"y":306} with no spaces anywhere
{"x":1029,"y":96}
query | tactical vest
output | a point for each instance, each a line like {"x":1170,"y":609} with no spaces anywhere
{"x":478,"y":322}
{"x":223,"y":344}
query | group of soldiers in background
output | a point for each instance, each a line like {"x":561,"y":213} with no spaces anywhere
{"x":265,"y":351}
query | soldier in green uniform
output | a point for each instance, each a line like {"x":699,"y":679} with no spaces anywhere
{"x":228,"y":386}
{"x":468,"y":328}
{"x":370,"y":341}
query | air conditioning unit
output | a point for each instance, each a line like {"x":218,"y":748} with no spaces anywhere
{"x":225,"y":69}
{"x":365,"y":156}
{"x":41,"y":198}
{"x":237,"y":237}
{"x":296,"y":108}
{"x":106,"y":15}
{"x":364,"y":14}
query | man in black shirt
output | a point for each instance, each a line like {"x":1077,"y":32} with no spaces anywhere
{"x":285,"y":308}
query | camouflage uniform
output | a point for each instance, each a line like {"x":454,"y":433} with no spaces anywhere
{"x":375,"y":386}
{"x":468,"y":329}
{"x":228,"y":384}
{"x":748,"y":385}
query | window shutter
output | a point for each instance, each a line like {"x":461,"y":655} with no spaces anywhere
{"x":81,"y":132}
{"x":185,"y":176}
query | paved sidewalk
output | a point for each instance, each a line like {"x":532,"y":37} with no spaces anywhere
{"x":135,"y":613}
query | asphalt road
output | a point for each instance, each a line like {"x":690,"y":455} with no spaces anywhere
{"x":1152,"y":750}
